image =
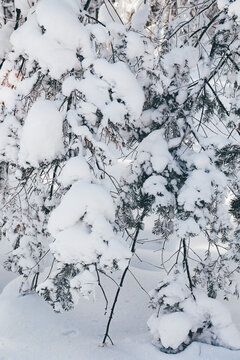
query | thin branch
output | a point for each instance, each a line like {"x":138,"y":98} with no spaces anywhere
{"x":187,"y":22}
{"x":53,"y":181}
{"x":138,"y":282}
{"x":108,"y":276}
{"x":207,"y":27}
{"x":102,"y":289}
{"x":110,"y":3}
{"x":217,"y":98}
{"x":93,"y":18}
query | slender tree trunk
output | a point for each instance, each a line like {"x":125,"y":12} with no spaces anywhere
{"x":106,"y":335}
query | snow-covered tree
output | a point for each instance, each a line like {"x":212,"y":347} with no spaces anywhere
{"x":176,"y":174}
{"x":59,"y":129}
{"x":152,"y":85}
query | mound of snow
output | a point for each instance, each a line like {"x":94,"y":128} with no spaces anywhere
{"x":75,"y":169}
{"x":42,"y":137}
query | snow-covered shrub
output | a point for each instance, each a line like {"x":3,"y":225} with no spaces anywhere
{"x":82,"y":226}
{"x":67,"y":109}
{"x":183,"y":316}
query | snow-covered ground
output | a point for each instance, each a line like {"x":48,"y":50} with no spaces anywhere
{"x":30,"y":330}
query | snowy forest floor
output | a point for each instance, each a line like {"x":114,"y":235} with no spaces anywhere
{"x":30,"y":330}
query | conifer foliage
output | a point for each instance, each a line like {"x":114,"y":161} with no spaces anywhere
{"x":148,"y":87}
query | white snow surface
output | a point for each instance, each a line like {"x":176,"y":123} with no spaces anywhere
{"x":107,"y":13}
{"x":82,"y":227}
{"x":5,"y":33}
{"x":234,"y":9}
{"x":75,"y":169}
{"x":81,"y":197}
{"x":125,"y":83}
{"x":187,"y":56}
{"x":42,"y":137}
{"x":8,"y":147}
{"x":31,"y":330}
{"x":154,"y":148}
{"x":43,"y":37}
{"x":76,"y":245}
{"x":172,"y":328}
{"x":222,"y":4}
{"x":135,"y":46}
{"x":56,"y":23}
{"x":140,"y":17}
{"x":28,"y":39}
{"x":23,"y":5}
{"x":85,"y":281}
{"x":95,"y":89}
